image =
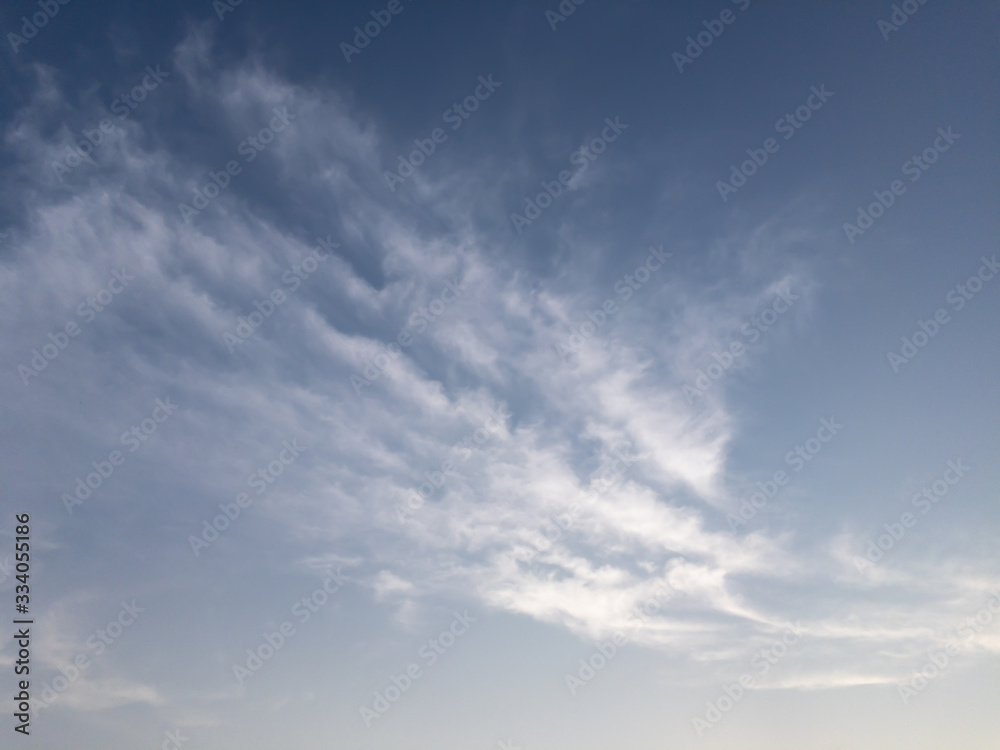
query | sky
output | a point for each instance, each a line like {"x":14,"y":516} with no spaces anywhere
{"x":521,"y":376}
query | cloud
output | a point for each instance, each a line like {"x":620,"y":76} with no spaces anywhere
{"x":656,"y":528}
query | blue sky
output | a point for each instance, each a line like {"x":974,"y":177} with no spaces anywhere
{"x":509,"y":378}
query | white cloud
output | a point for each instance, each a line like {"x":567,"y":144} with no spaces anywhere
{"x":366,"y":454}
